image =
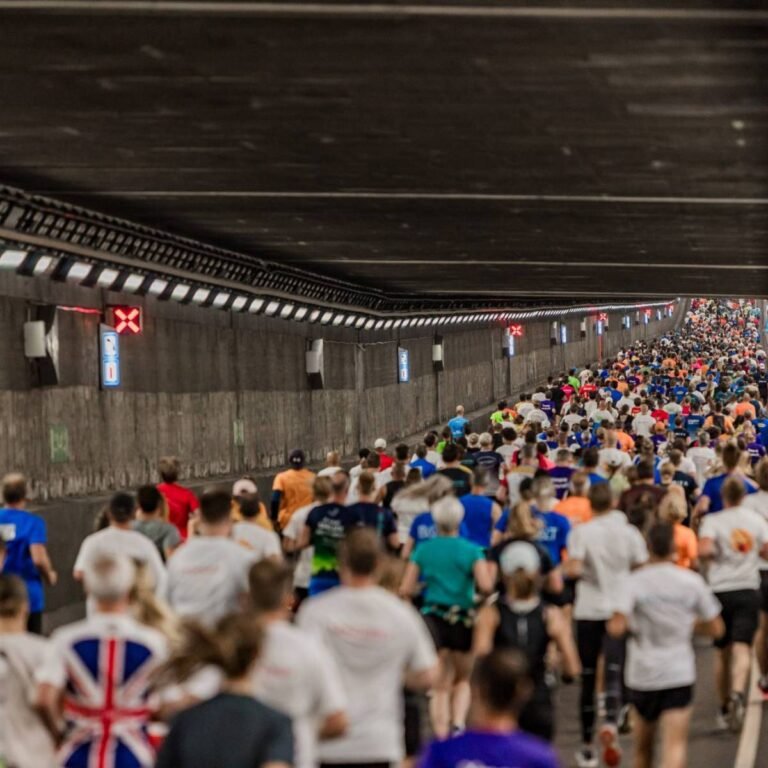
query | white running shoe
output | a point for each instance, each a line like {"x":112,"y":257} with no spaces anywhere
{"x":586,"y":758}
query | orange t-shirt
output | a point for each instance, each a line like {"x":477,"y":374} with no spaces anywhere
{"x":686,"y":545}
{"x":626,"y":443}
{"x":576,"y":508}
{"x":744,"y":409}
{"x":295,"y":485}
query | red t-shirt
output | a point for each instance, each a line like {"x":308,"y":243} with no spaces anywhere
{"x":660,"y":415}
{"x":385,"y":462}
{"x":181,"y":504}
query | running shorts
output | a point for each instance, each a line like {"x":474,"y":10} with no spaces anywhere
{"x":764,"y":591}
{"x":452,"y":637}
{"x":740,"y":614}
{"x":650,"y":705}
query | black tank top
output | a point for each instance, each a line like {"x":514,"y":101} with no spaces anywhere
{"x":525,"y":631}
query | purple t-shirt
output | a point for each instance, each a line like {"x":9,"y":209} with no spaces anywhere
{"x":490,"y":750}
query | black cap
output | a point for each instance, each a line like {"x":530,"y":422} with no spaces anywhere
{"x":297,"y":458}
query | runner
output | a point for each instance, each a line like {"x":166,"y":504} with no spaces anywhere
{"x":182,"y":503}
{"x":600,"y":553}
{"x":732,"y":541}
{"x":250,"y":534}
{"x":481,"y":512}
{"x":449,"y":568}
{"x":151,"y":523}
{"x":26,"y":555}
{"x":661,"y":606}
{"x":291,"y":489}
{"x":376,"y":641}
{"x":500,"y":687}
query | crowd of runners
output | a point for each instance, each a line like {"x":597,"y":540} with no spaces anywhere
{"x":423,"y":607}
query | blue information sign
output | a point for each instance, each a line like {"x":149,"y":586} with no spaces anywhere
{"x":403,"y":366}
{"x":109,"y":348}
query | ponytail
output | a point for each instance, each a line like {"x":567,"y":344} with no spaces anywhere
{"x":232,"y":646}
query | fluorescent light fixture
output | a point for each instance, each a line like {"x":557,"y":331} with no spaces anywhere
{"x":44,"y":263}
{"x":239,"y":303}
{"x":156,"y":287}
{"x":350,"y":320}
{"x":106,"y":277}
{"x":133,"y":283}
{"x":369,"y":324}
{"x":256,"y":306}
{"x":301,"y":313}
{"x":79,"y":271}
{"x":314,"y":315}
{"x":326,"y":318}
{"x":388,"y":324}
{"x":337,"y":320}
{"x":180,"y":291}
{"x":287,"y":311}
{"x":360,"y":322}
{"x":397,"y":324}
{"x":220,"y":299}
{"x":272,"y":308}
{"x":12,"y":259}
{"x":379,"y":324}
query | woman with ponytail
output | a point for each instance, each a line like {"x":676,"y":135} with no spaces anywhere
{"x":232,"y":729}
{"x":519,"y":619}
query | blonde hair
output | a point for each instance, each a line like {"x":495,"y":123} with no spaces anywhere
{"x":147,"y":609}
{"x":673,"y":507}
{"x":521,"y":523}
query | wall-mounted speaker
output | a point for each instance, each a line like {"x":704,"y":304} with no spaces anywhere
{"x":315,"y":364}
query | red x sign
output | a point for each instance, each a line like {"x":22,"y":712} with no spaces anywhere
{"x":603,"y":317}
{"x":127,"y":320}
{"x":515,"y":330}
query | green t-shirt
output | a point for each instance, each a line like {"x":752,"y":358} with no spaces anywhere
{"x":446,"y":565}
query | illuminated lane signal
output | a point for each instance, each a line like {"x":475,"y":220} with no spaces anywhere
{"x":127,"y":320}
{"x":516,"y":330}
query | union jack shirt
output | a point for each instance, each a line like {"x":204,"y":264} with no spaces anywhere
{"x":103,"y":666}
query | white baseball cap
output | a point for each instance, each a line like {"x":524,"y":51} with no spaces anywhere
{"x":244,"y":487}
{"x":519,"y":555}
{"x":380,"y":443}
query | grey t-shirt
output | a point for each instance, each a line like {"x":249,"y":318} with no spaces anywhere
{"x":164,"y":535}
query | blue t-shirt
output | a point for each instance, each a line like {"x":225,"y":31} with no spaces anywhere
{"x":422,"y":529}
{"x":561,"y":478}
{"x":478,"y":519}
{"x":713,"y":488}
{"x":19,"y":530}
{"x":694,"y":423}
{"x":427,"y":467}
{"x":480,"y":749}
{"x":456,"y":425}
{"x":374,"y":516}
{"x":553,"y":534}
{"x":680,"y":392}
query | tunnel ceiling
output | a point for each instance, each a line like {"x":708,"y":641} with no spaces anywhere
{"x":440,"y":151}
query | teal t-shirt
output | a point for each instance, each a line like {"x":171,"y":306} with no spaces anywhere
{"x":446,"y":565}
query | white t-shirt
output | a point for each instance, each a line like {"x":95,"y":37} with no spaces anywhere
{"x":298,"y":676}
{"x":609,"y":547}
{"x":302,"y":573}
{"x":537,"y":415}
{"x":116,"y":541}
{"x":662,"y":603}
{"x":24,"y":740}
{"x":612,"y":456}
{"x":739,"y":534}
{"x":207,"y":577}
{"x":702,"y":459}
{"x":374,"y":638}
{"x":759,"y":503}
{"x":643,"y":424}
{"x":524,"y":408}
{"x":261,"y":542}
{"x":572,"y":419}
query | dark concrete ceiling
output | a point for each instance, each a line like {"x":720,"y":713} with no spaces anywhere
{"x":527,"y":151}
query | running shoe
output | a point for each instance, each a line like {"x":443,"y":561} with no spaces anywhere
{"x":609,"y":740}
{"x":736,"y":711}
{"x":721,"y":720}
{"x":586,"y":758}
{"x":762,"y":684}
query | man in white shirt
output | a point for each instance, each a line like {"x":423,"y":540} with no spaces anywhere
{"x":733,"y":541}
{"x":251,"y":535}
{"x":703,"y":458}
{"x":377,"y":642}
{"x":208,"y":575}
{"x":601,"y":553}
{"x":661,"y":605}
{"x":120,"y":538}
{"x":296,"y":674}
{"x":759,"y":503}
{"x":536,"y":415}
{"x":643,"y":424}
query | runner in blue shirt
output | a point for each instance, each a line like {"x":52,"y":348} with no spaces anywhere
{"x":711,"y":499}
{"x":555,"y":527}
{"x":25,"y":538}
{"x":458,"y":423}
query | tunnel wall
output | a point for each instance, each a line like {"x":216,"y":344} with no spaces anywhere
{"x":194,"y":373}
